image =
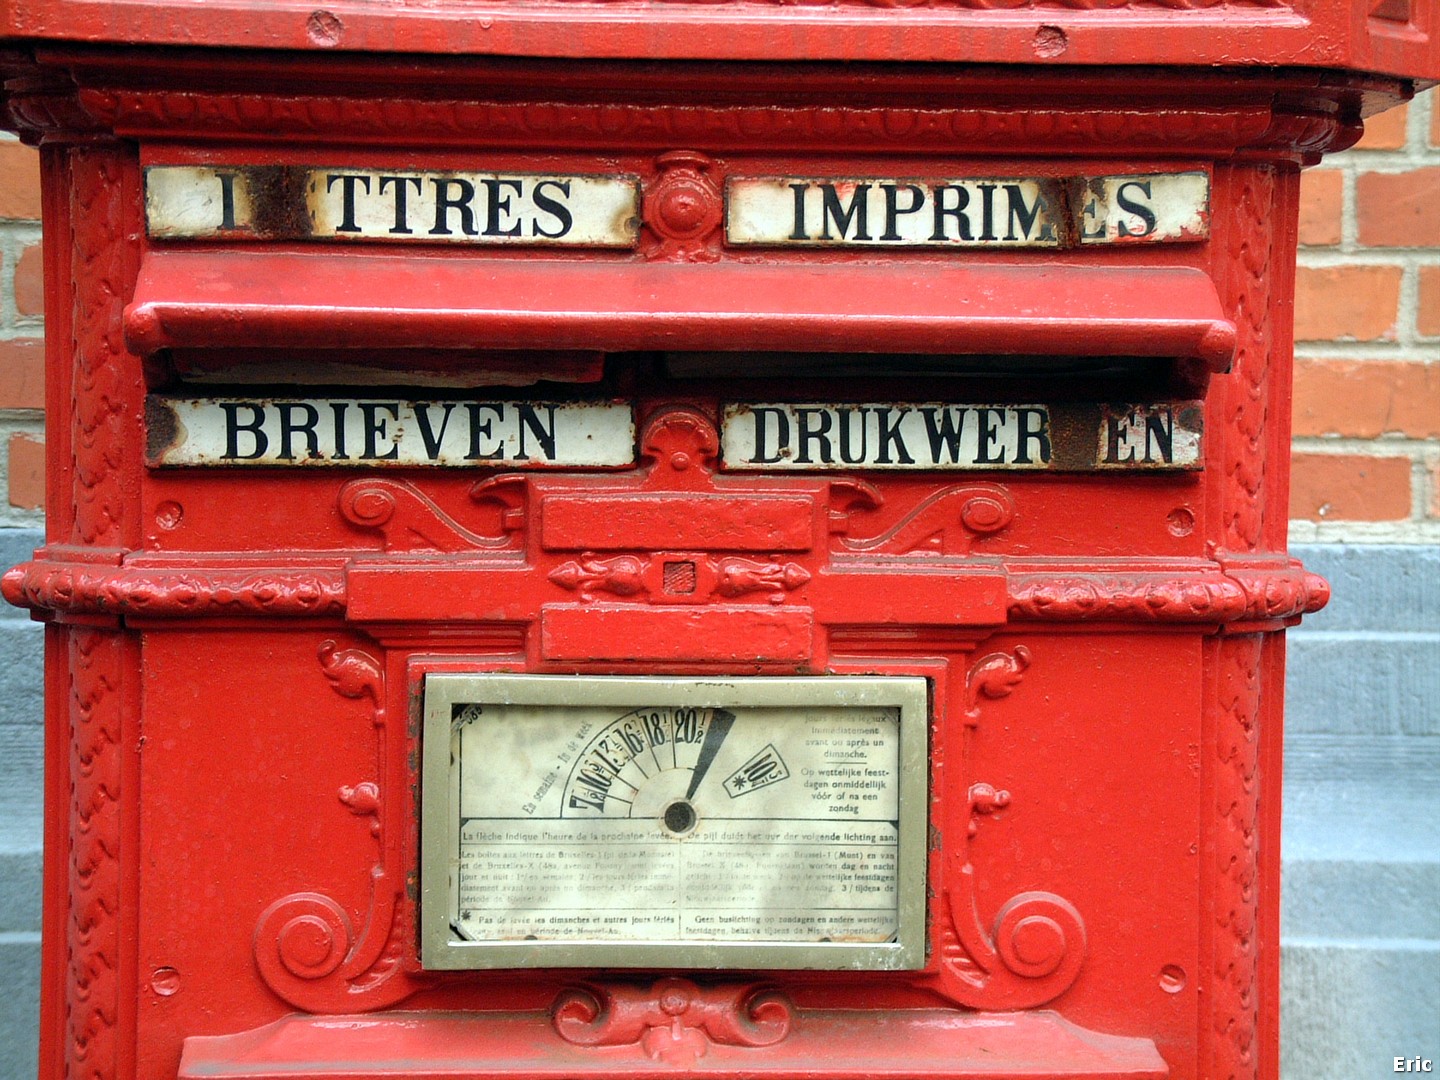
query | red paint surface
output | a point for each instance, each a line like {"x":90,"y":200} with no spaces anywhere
{"x":234,"y":657}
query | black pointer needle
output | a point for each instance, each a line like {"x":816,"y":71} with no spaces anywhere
{"x":720,"y":721}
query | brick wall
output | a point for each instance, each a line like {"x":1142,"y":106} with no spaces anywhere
{"x":1367,"y":329}
{"x":22,"y":368}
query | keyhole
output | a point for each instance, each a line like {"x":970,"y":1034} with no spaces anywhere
{"x":679,"y":817}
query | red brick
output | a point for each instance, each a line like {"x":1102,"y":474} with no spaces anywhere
{"x":1427,"y":317}
{"x":1363,"y":399}
{"x":1434,"y":126}
{"x":1385,"y":131}
{"x":1349,"y":487}
{"x":27,"y":472}
{"x":30,"y":282}
{"x":22,"y":374}
{"x":1434,"y":510}
{"x":1398,"y":209}
{"x":19,"y":182}
{"x":1322,"y":202}
{"x":1351,"y":303}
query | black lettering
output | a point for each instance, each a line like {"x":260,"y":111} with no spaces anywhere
{"x":579,"y":802}
{"x":1113,"y":436}
{"x":289,"y":428}
{"x":227,"y":201}
{"x":989,"y":431}
{"x":348,"y":183}
{"x":1143,"y":212}
{"x":377,"y":427}
{"x":497,"y":204}
{"x":819,"y":433}
{"x":530,"y":421}
{"x":233,"y":427}
{"x":798,"y":232}
{"x":1039,"y":433}
{"x":892,"y":207}
{"x":1160,"y":433}
{"x":889,"y":435}
{"x":845,"y":436}
{"x":688,"y":728}
{"x":633,"y":742}
{"x":339,"y":408}
{"x":595,"y":778}
{"x":479,"y":428}
{"x":655,"y":727}
{"x":554,"y":207}
{"x":1087,"y":217}
{"x":428,"y":435}
{"x":943,"y":431}
{"x":842,"y":216}
{"x":987,"y":212}
{"x":782,"y":436}
{"x":962,"y":219}
{"x":445,"y":202}
{"x":1020,"y":214}
{"x":402,"y":209}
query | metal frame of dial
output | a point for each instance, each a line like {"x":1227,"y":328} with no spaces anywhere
{"x":443,"y":948}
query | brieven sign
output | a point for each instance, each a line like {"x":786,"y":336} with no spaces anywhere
{"x":918,"y":436}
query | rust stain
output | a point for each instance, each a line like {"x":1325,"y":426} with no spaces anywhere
{"x":162,"y":429}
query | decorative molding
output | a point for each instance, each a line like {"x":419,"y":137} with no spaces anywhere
{"x":101,"y":419}
{"x":1247,"y":288}
{"x":683,"y":208}
{"x":679,"y":578}
{"x":1233,"y":992}
{"x":675,"y":1021}
{"x":305,"y":944}
{"x":643,"y":127}
{"x":178,"y":593}
{"x":1254,"y":593}
{"x":92,"y":992}
{"x":164,"y":592}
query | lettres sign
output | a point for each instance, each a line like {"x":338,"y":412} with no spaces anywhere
{"x":295,"y":202}
{"x":285,"y":202}
{"x":920,"y":436}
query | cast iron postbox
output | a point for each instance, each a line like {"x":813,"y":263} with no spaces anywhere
{"x":600,"y":540}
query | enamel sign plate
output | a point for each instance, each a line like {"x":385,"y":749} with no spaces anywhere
{"x":668,"y":822}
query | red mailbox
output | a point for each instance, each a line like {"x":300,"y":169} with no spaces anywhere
{"x":663,"y":539}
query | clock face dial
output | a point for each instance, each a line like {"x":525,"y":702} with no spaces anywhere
{"x":667,"y":819}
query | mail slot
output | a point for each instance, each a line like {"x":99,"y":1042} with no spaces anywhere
{"x":640,"y":540}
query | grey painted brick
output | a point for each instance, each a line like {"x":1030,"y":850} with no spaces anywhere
{"x":19,"y":1006}
{"x":20,"y":891}
{"x":1386,"y":587}
{"x":1372,"y":684}
{"x":1336,"y":898}
{"x":1349,"y":1008}
{"x":1388,"y":763}
{"x":22,"y":658}
{"x":16,"y":545}
{"x":21,"y":788}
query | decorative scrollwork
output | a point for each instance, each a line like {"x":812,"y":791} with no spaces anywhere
{"x":993,"y":676}
{"x":305,"y":944}
{"x":675,"y":1021}
{"x":737,"y":577}
{"x":409,"y":519}
{"x":947,"y":521}
{"x":623,"y":575}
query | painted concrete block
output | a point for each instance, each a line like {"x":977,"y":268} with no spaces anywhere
{"x":1385,"y":587}
{"x":19,"y":1006}
{"x":1349,"y":1008}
